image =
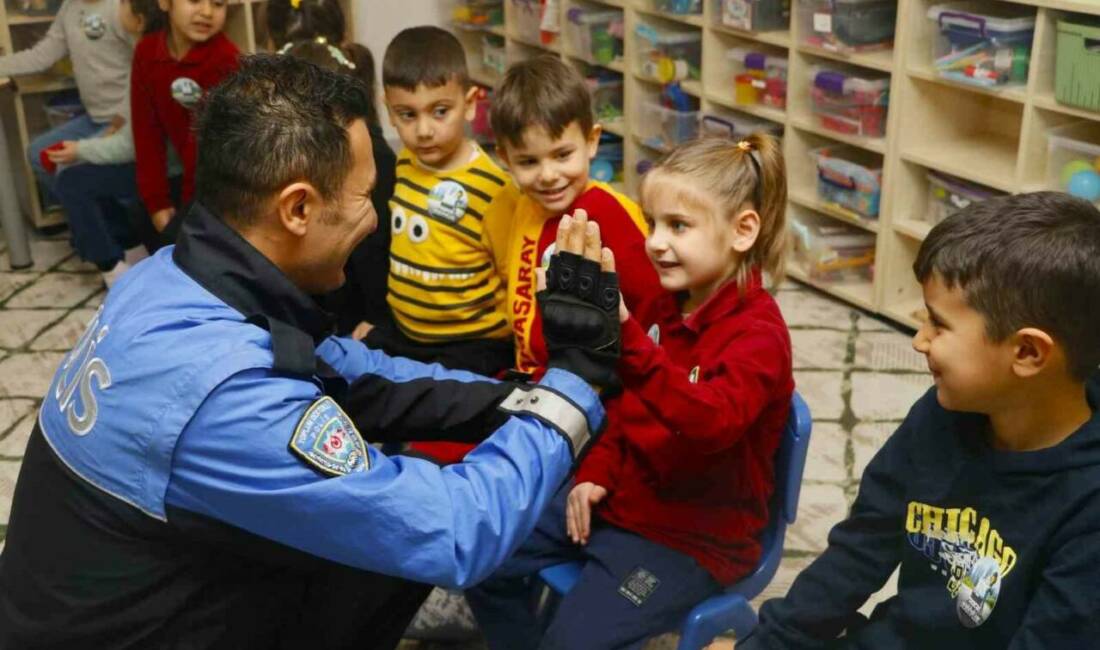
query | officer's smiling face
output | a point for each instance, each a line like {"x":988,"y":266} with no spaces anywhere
{"x":345,"y":221}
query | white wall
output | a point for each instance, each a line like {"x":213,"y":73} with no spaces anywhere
{"x":377,"y":21}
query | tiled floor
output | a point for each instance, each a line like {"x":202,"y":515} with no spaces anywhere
{"x":858,"y":375}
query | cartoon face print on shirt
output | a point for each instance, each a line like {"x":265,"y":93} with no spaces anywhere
{"x":186,"y":91}
{"x":94,"y":26}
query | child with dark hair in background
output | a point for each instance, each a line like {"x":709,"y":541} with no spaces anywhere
{"x":666,"y":507}
{"x":315,"y":30}
{"x":173,"y":67}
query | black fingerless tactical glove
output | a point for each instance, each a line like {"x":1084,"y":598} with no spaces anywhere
{"x":580,"y":319}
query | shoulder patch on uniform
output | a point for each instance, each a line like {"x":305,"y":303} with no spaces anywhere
{"x":326,"y":439}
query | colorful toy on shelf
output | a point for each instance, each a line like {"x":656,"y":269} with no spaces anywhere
{"x":848,"y":25}
{"x":849,"y":179}
{"x":760,"y":78}
{"x":481,"y":127}
{"x":982,"y":44}
{"x":535,"y":21}
{"x":850,"y":104}
{"x":607,"y":96}
{"x":607,"y":166}
{"x":667,"y":55}
{"x":493,"y":54}
{"x":1073,"y":159}
{"x":479,"y":14}
{"x":756,"y":15}
{"x":948,"y":194}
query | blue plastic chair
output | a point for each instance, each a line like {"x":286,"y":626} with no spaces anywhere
{"x":731,"y":610}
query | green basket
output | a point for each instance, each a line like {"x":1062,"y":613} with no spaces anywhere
{"x":1077,"y":60}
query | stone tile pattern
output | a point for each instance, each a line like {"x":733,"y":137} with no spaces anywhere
{"x":858,"y":374}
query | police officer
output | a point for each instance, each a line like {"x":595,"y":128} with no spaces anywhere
{"x":198,"y":475}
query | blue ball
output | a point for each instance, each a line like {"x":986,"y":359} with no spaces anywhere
{"x":601,"y":170}
{"x":1085,"y":185}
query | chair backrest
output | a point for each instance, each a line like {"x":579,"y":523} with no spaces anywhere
{"x":790,"y":461}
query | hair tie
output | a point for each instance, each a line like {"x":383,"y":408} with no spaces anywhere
{"x":321,"y":40}
{"x":744,"y":145}
{"x":337,"y":54}
{"x":295,"y":4}
{"x":285,"y":48}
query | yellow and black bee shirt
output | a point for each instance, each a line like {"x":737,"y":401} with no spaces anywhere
{"x":443,"y":285}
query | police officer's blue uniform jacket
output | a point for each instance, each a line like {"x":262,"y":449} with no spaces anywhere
{"x":205,"y":434}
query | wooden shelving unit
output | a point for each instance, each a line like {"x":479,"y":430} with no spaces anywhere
{"x":24,"y":117}
{"x":995,"y":137}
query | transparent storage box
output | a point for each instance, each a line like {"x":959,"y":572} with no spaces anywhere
{"x":595,"y":36}
{"x":682,"y":7}
{"x":948,"y":194}
{"x":756,"y":15}
{"x":828,"y":251}
{"x":726,"y":124}
{"x":849,"y":179}
{"x":666,"y":54}
{"x":758,"y":78}
{"x":607,"y":166}
{"x":849,"y":103}
{"x":526,"y":18}
{"x":663,"y":128}
{"x":607,"y":97}
{"x":981,"y":43}
{"x":493,"y":57}
{"x":848,"y":25}
{"x":1073,"y":160}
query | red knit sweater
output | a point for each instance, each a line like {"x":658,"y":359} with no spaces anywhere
{"x":688,"y":455}
{"x":163,"y":93}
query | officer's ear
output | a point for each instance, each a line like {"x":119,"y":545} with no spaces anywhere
{"x":298,"y":205}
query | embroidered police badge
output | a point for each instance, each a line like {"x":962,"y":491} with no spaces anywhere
{"x":326,"y":438}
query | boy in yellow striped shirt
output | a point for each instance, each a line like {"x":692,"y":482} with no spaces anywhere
{"x":444,"y":291}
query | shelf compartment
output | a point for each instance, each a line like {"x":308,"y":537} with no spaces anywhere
{"x":1011,"y":93}
{"x":648,"y":8}
{"x":811,"y":201}
{"x":860,"y":294}
{"x":876,"y":60}
{"x":759,"y":110}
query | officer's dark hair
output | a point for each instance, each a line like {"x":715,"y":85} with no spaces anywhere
{"x":425,"y":55}
{"x":277,"y":120}
{"x":321,"y":55}
{"x":1025,"y":260}
{"x":307,"y":21}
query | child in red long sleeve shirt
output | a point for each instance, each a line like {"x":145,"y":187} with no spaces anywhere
{"x":665,"y":509}
{"x":172,"y":70}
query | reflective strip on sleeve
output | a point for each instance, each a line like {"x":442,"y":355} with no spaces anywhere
{"x":553,"y":409}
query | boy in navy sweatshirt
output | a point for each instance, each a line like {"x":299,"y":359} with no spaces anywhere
{"x":988,"y":495}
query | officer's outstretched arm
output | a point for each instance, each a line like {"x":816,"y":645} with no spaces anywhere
{"x":272,"y":456}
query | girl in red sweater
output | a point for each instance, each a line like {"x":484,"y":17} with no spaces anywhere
{"x":666,"y":507}
{"x":172,"y":69}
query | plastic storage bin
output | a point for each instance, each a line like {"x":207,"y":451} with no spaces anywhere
{"x":493,"y":56}
{"x":527,"y":20}
{"x":607,"y":166}
{"x":948,"y":194}
{"x":758,"y":78}
{"x":595,"y":36}
{"x":848,"y":25}
{"x":479,"y":14}
{"x":850,"y":104}
{"x":663,"y":128}
{"x":1077,"y":63}
{"x":607,"y":97}
{"x":756,"y":15}
{"x":667,"y":54}
{"x":833,"y":252}
{"x":982,"y":44}
{"x":678,"y":6}
{"x":849,"y":179}
{"x":1073,"y":160}
{"x":727,"y":125}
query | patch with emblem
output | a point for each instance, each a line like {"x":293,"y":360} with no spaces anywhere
{"x":448,"y":201}
{"x":654,"y":334}
{"x":94,"y":26}
{"x":639,"y":586}
{"x":693,"y":376}
{"x":326,"y":439}
{"x":186,"y":91}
